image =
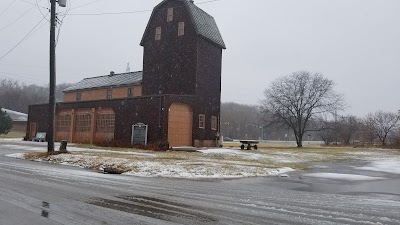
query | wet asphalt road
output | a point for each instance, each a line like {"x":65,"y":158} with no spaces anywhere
{"x":42,"y":193}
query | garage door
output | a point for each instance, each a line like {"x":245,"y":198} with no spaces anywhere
{"x":180,"y":120}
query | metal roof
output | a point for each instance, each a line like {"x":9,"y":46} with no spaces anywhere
{"x":204,"y":24}
{"x":111,"y":80}
{"x":16,"y":116}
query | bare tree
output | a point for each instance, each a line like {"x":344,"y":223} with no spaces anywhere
{"x":295,"y":99}
{"x":240,"y":121}
{"x":327,"y":133}
{"x":381,"y":124}
{"x":347,"y":128}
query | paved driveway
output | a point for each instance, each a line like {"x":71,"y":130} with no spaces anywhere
{"x":43,"y":193}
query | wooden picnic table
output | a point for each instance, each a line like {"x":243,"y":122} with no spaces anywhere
{"x":249,"y":143}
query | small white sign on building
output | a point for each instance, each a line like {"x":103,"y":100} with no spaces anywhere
{"x":139,"y":134}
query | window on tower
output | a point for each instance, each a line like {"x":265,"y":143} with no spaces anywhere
{"x":202,"y":121}
{"x":170,"y":14}
{"x":158,"y":33}
{"x":181,"y":29}
{"x":214,"y":123}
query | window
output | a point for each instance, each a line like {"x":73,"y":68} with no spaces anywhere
{"x":105,"y":123}
{"x":109,"y":94}
{"x":158,"y":33}
{"x":83,"y":123}
{"x":214,"y":123}
{"x":130,"y":92}
{"x":181,"y":29}
{"x":64,"y":123}
{"x":78,"y":96}
{"x":170,"y":14}
{"x":202,"y":121}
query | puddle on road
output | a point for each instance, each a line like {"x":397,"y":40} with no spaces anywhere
{"x":156,"y":208}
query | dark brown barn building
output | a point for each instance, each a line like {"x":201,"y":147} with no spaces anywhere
{"x":177,"y":94}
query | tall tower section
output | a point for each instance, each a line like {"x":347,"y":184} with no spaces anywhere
{"x":182,"y":52}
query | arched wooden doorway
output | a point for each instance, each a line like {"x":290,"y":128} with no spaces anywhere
{"x":180,"y":122}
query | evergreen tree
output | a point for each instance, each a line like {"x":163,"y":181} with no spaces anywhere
{"x":5,"y":122}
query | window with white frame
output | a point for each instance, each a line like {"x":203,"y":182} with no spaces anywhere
{"x":214,"y":123}
{"x":202,"y":121}
{"x":158,"y":33}
{"x":170,"y":14}
{"x":181,"y":28}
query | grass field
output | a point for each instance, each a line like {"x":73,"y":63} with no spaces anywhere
{"x":13,"y":135}
{"x":229,"y":161}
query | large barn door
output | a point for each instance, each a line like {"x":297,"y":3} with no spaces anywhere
{"x":180,"y":121}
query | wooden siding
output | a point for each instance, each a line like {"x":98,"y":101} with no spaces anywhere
{"x":100,"y":94}
{"x":180,"y":120}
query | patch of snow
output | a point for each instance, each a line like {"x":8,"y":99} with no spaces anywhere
{"x":341,"y":176}
{"x":43,"y":148}
{"x":387,"y":166}
{"x":16,"y":155}
{"x":233,"y":152}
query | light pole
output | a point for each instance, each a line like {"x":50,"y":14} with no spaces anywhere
{"x":52,"y":100}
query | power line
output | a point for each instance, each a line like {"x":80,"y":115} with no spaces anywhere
{"x":24,"y":38}
{"x":129,"y":12}
{"x":34,"y":4}
{"x":61,"y":21}
{"x":27,"y":66}
{"x":77,"y":7}
{"x":37,"y":4}
{"x":8,"y":7}
{"x":110,"y":13}
{"x":24,"y":14}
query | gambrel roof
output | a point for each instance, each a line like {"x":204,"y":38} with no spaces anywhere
{"x":112,"y":80}
{"x":204,"y":24}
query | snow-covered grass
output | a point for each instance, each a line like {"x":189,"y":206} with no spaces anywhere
{"x":207,"y":163}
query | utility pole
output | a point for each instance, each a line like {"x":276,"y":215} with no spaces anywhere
{"x":52,"y":97}
{"x":52,"y":101}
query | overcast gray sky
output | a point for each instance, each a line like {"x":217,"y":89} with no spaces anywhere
{"x":355,"y":43}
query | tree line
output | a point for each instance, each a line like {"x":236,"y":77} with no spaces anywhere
{"x":17,"y":96}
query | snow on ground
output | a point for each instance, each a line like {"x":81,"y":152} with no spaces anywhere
{"x":387,"y":166}
{"x":341,"y":176}
{"x":16,"y":155}
{"x":225,"y":151}
{"x":212,"y":163}
{"x":75,"y":149}
{"x":163,"y":169}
